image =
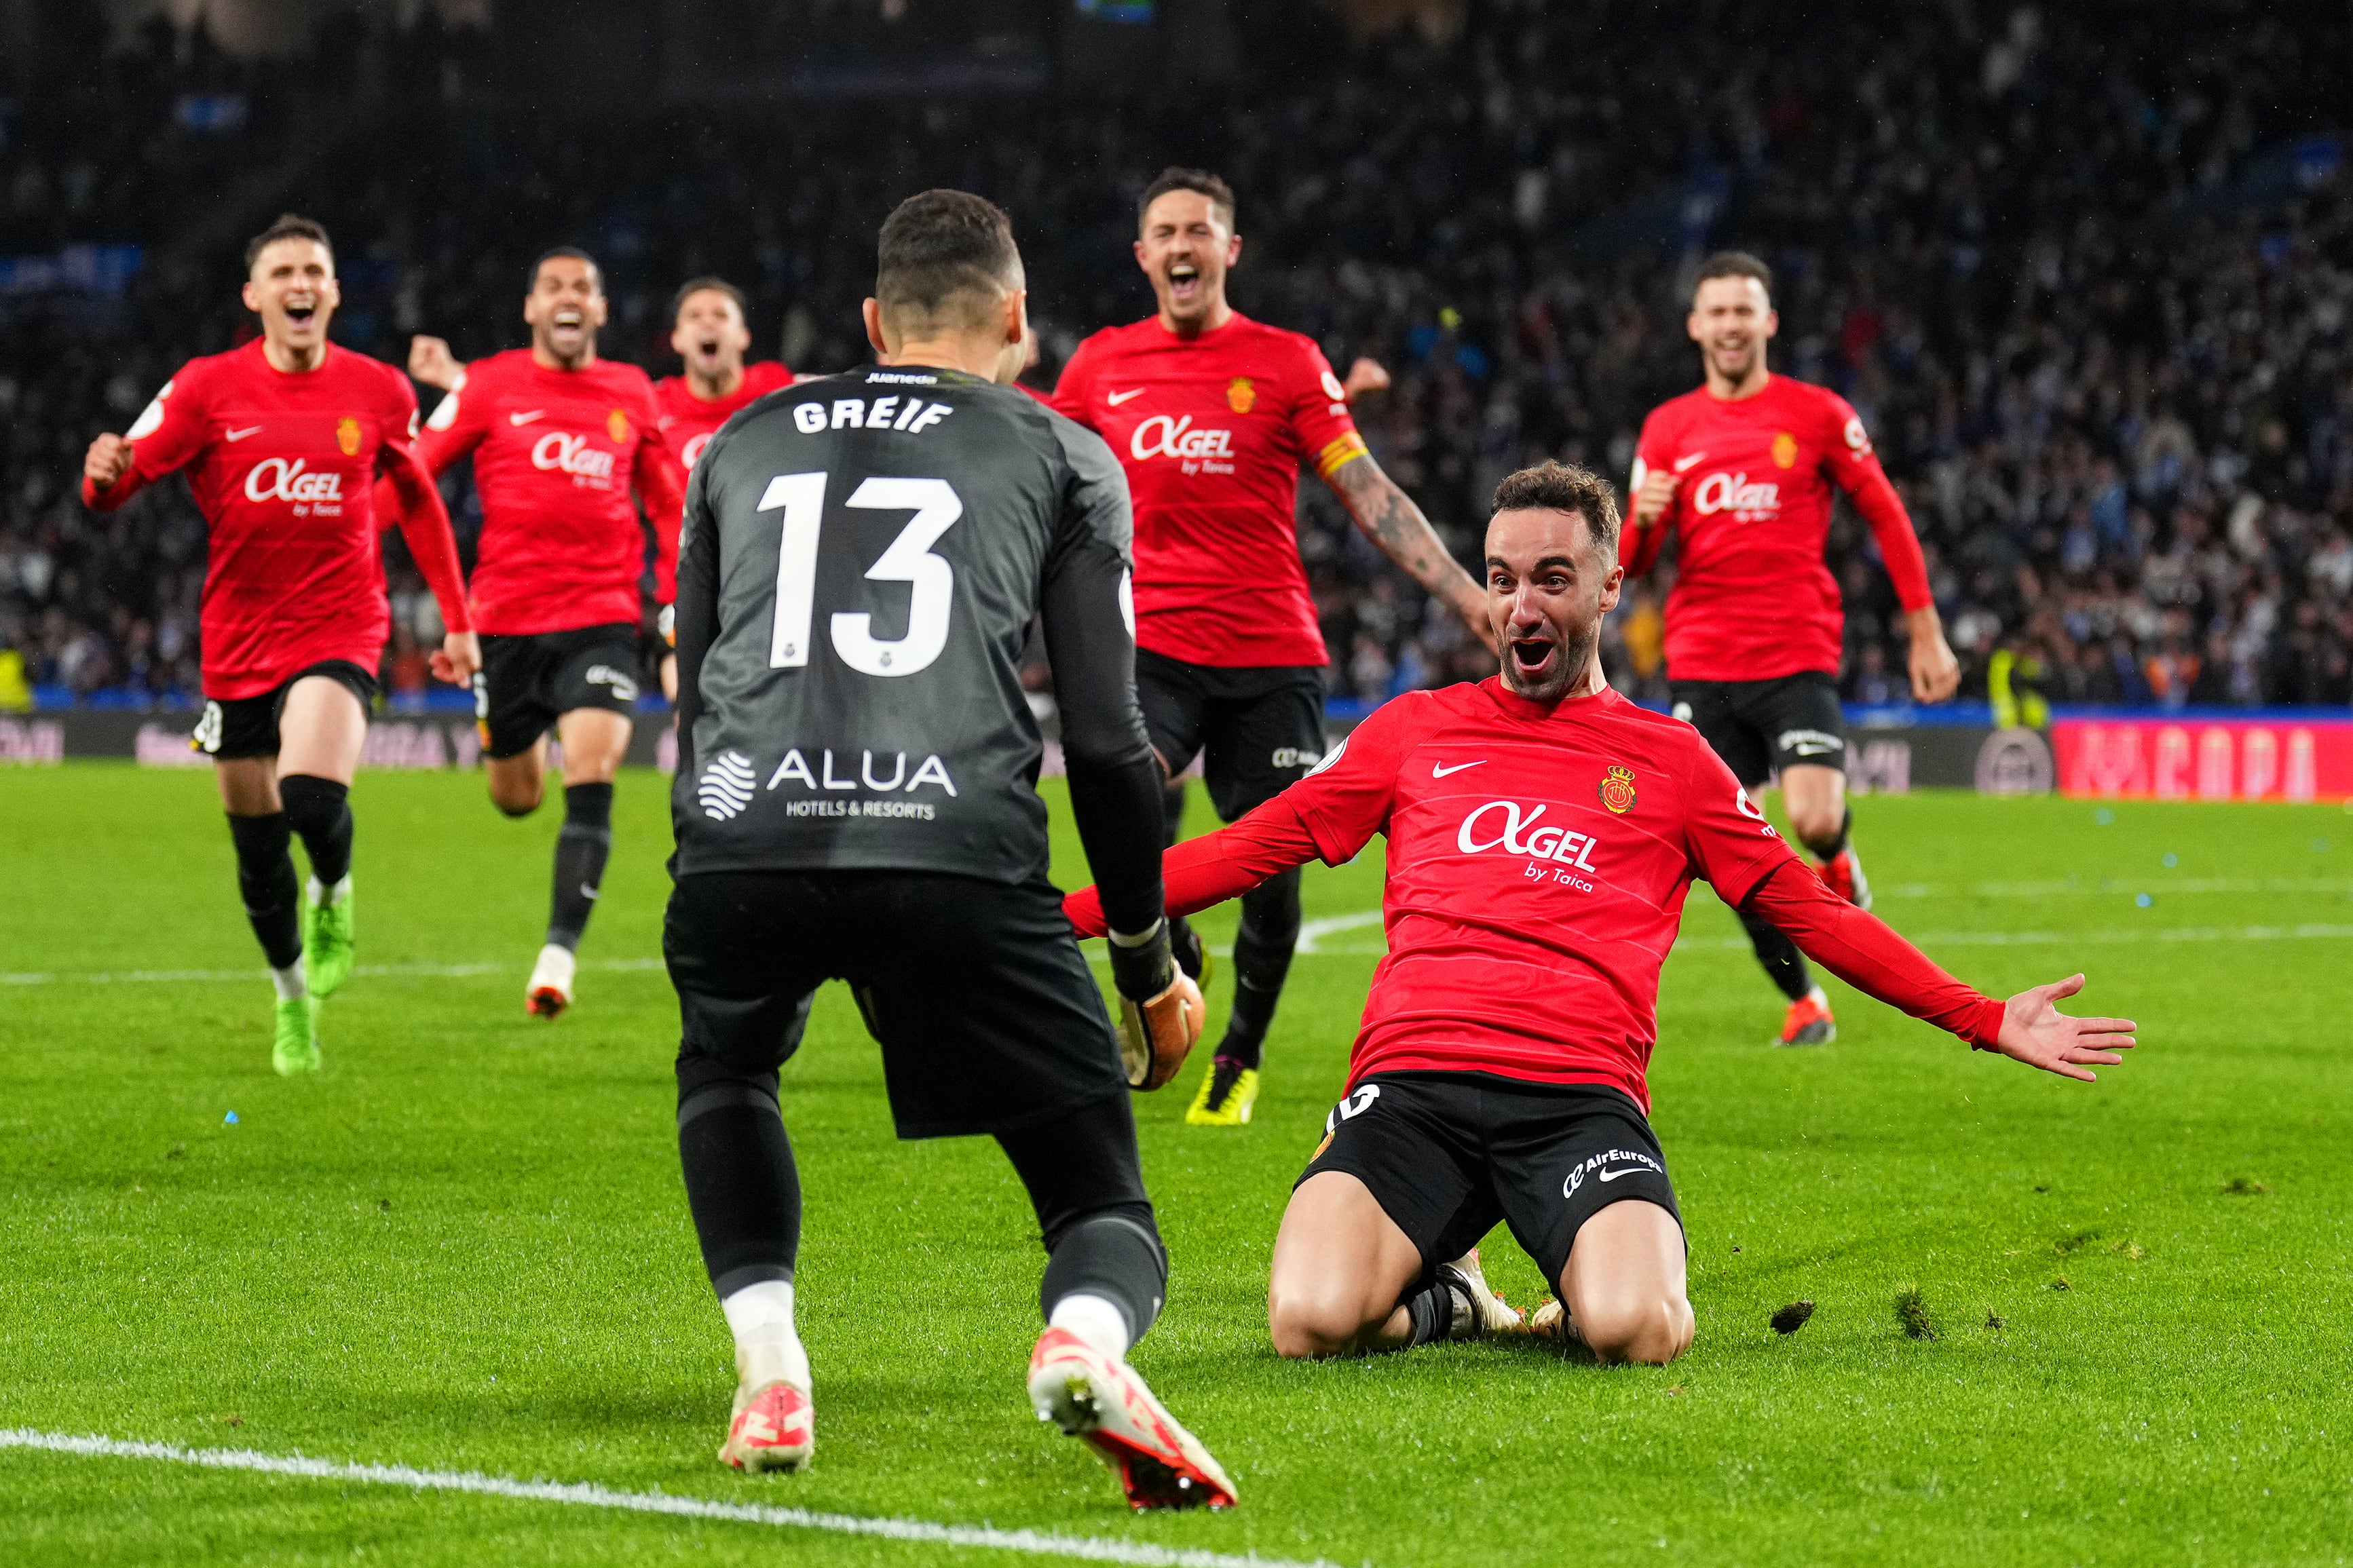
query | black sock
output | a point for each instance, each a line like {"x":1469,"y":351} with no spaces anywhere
{"x":319,"y":810}
{"x":1432,"y":1312}
{"x":1830,"y":851}
{"x":1087,"y":1186}
{"x":1779,"y":954}
{"x":740,"y":1184}
{"x":265,"y":882}
{"x":1262,"y":948}
{"x":580,"y":852}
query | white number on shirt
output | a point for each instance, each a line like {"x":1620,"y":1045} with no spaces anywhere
{"x":931,"y":580}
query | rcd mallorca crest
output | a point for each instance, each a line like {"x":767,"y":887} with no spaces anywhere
{"x":1617,"y":789}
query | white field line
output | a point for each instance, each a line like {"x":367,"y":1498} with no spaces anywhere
{"x":1310,"y":945}
{"x":2114,"y":887}
{"x":585,"y":1494}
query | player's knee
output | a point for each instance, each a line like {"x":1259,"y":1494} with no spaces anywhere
{"x":1644,"y":1329}
{"x":1817,"y":823}
{"x":516,"y":799}
{"x":1311,"y":1320}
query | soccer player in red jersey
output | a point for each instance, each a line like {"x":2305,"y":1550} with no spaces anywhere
{"x":1543,"y":832}
{"x":1212,"y":415}
{"x":281,"y":440}
{"x":1742,"y":469}
{"x":709,"y":332}
{"x":560,"y":440}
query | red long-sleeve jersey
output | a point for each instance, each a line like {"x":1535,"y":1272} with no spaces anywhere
{"x":688,"y":422}
{"x":1753,"y":599}
{"x":556,"y":456}
{"x":1538,"y":860}
{"x":282,"y":465}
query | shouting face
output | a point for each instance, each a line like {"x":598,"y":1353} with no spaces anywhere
{"x":292,"y":287}
{"x":1188,"y":244}
{"x":1548,"y":585}
{"x":711,"y":336}
{"x":564,"y":308}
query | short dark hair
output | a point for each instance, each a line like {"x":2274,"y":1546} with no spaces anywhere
{"x":1735,"y":264}
{"x":289,"y":225}
{"x":693,"y":286}
{"x":944,"y":253}
{"x":563,"y":253}
{"x":1174,"y":178}
{"x":1564,"y":487}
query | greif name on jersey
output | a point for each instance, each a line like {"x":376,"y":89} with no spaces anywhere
{"x":286,"y":479}
{"x":907,"y":414}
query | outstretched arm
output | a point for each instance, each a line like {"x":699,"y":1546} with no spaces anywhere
{"x":1868,"y":955}
{"x":414,"y":501}
{"x":1216,"y":867}
{"x":1388,"y":517}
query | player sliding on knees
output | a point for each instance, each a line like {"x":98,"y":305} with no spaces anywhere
{"x":559,"y":439}
{"x":281,"y":441}
{"x":1213,"y":415}
{"x":863,"y":559}
{"x":1742,"y":468}
{"x":1542,"y":832}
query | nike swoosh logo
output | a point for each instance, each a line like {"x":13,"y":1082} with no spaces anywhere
{"x":526,"y":418}
{"x":1116,"y":398}
{"x":1684,"y":463}
{"x":586,"y":892}
{"x":240,"y":435}
{"x":1620,"y":1171}
{"x":1437,"y":773}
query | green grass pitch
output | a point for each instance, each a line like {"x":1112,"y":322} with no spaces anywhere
{"x":466,"y":1248}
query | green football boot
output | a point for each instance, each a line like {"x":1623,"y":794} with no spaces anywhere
{"x":327,"y":945}
{"x":296,"y":1049}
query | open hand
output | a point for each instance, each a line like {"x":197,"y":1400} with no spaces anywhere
{"x":1364,"y":375}
{"x":2035,"y":1032}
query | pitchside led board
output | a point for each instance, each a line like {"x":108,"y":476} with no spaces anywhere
{"x":2288,"y":756}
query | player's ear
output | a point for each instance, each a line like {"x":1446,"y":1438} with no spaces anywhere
{"x":872,"y":311}
{"x":1139,"y":261}
{"x":1610,"y":587}
{"x":252,"y":300}
{"x":1233,"y":250}
{"x":1692,"y":327}
{"x":1772,"y":322}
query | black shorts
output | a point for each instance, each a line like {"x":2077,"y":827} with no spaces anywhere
{"x":1262,"y":729}
{"x":528,"y":683}
{"x":247,"y":726}
{"x":1759,"y":727}
{"x":989,"y":1018}
{"x":1447,"y":1154}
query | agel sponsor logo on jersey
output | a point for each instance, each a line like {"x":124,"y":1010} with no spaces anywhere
{"x":284,"y":478}
{"x":1518,"y":834}
{"x":559,"y":451}
{"x":1163,"y":436}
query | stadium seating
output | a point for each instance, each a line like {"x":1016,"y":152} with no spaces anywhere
{"x":2095,"y":312}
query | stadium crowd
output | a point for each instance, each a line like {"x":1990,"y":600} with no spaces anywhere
{"x":2094,"y":313}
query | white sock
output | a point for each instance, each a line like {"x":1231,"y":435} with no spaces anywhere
{"x":322,"y":897}
{"x":766,"y":1346}
{"x":288,"y":982}
{"x":1094,"y":1319}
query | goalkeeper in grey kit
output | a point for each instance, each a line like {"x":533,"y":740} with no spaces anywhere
{"x":859,"y":564}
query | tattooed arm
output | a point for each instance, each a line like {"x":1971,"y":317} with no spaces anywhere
{"x":1391,"y":519}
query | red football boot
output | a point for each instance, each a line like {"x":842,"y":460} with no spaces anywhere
{"x":1808,"y":1022}
{"x":1842,"y":874}
{"x":774,"y":1430}
{"x":1105,"y":1404}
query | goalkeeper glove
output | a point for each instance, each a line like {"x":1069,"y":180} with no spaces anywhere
{"x":1160,"y":1009}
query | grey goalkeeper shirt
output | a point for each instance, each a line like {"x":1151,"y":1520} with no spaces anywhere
{"x":859,"y":563}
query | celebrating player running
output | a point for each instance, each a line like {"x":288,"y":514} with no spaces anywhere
{"x":1212,"y":414}
{"x":281,"y":440}
{"x":1741,"y":469}
{"x":863,"y":559}
{"x":1542,"y":832}
{"x":559,"y":439}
